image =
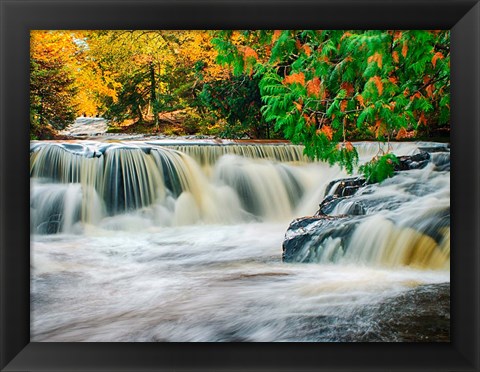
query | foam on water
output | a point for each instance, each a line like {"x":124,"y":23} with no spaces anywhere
{"x":143,"y":242}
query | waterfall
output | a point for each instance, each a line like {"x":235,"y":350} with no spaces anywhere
{"x":133,"y":185}
{"x":170,"y":185}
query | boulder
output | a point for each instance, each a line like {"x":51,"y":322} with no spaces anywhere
{"x":309,"y":238}
{"x":417,"y":161}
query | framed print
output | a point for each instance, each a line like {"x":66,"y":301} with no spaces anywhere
{"x":204,"y":186}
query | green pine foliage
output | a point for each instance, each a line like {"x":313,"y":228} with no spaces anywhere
{"x":236,"y":101}
{"x":379,"y":168}
{"x":324,"y":88}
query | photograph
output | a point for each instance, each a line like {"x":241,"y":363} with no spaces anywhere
{"x":240,"y":185}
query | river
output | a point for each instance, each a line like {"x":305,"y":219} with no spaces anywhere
{"x":179,"y":241}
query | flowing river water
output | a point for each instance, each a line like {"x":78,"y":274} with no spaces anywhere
{"x":182,"y":241}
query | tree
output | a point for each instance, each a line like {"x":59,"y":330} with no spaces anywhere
{"x":52,"y":85}
{"x":322,"y":87}
{"x":150,"y":71}
{"x":237,"y":101}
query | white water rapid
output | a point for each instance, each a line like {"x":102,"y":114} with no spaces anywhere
{"x":165,"y":241}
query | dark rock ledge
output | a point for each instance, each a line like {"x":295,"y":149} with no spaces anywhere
{"x":306,"y":233}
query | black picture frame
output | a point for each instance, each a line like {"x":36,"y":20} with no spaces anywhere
{"x":18,"y":17}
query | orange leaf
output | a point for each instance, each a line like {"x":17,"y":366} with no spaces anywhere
{"x":402,"y":133}
{"x":416,"y":95}
{"x":422,"y":119}
{"x":404,"y":49}
{"x":307,"y":50}
{"x":377,"y":57}
{"x":349,"y":146}
{"x":348,"y":87}
{"x":380,"y":128}
{"x":436,"y":57}
{"x":378,"y":83}
{"x":430,"y":89}
{"x":298,"y":44}
{"x":343,"y":105}
{"x":393,"y":79}
{"x":313,"y":87}
{"x":395,"y":56}
{"x":248,"y":52}
{"x":298,"y":106}
{"x":327,"y":131}
{"x":346,"y":34}
{"x":309,"y":120}
{"x":276,"y":35}
{"x":295,"y":78}
{"x":360,"y":100}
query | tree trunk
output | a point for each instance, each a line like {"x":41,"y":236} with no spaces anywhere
{"x":153,"y":96}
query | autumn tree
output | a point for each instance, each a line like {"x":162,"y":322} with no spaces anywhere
{"x":52,"y":80}
{"x":150,"y":71}
{"x":322,"y":88}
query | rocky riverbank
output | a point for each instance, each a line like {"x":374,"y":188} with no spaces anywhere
{"x":348,"y":202}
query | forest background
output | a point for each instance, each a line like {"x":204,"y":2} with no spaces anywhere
{"x":320,"y":88}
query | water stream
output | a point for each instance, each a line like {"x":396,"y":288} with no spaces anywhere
{"x":166,"y":241}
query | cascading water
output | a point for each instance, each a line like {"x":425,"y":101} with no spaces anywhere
{"x":148,"y":241}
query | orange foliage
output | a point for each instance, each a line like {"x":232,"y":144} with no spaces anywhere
{"x":248,"y":52}
{"x":307,"y":50}
{"x":380,"y":128}
{"x":404,"y":49}
{"x":430,"y":89}
{"x":298,"y":77}
{"x":397,"y":35}
{"x":378,"y":83}
{"x":348,"y":87}
{"x":377,"y":58}
{"x":327,"y":131}
{"x":313,"y":87}
{"x":422,"y":119}
{"x":416,"y":95}
{"x":343,"y":105}
{"x":402,"y":133}
{"x":360,"y":100}
{"x":276,"y":35}
{"x":298,"y":106}
{"x":436,"y":57}
{"x":309,"y":120}
{"x":393,"y":79}
{"x":395,"y":56}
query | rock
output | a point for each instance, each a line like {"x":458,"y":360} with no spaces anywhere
{"x":307,"y":238}
{"x":445,"y":147}
{"x":345,"y":186}
{"x":324,"y":237}
{"x":421,"y":314}
{"x":417,"y":161}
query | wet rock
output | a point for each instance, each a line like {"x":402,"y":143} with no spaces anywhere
{"x":327,"y":206}
{"x":417,"y":161}
{"x":324,"y":236}
{"x":309,"y":238}
{"x":420,"y":314}
{"x":345,"y":186}
{"x":445,"y":147}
